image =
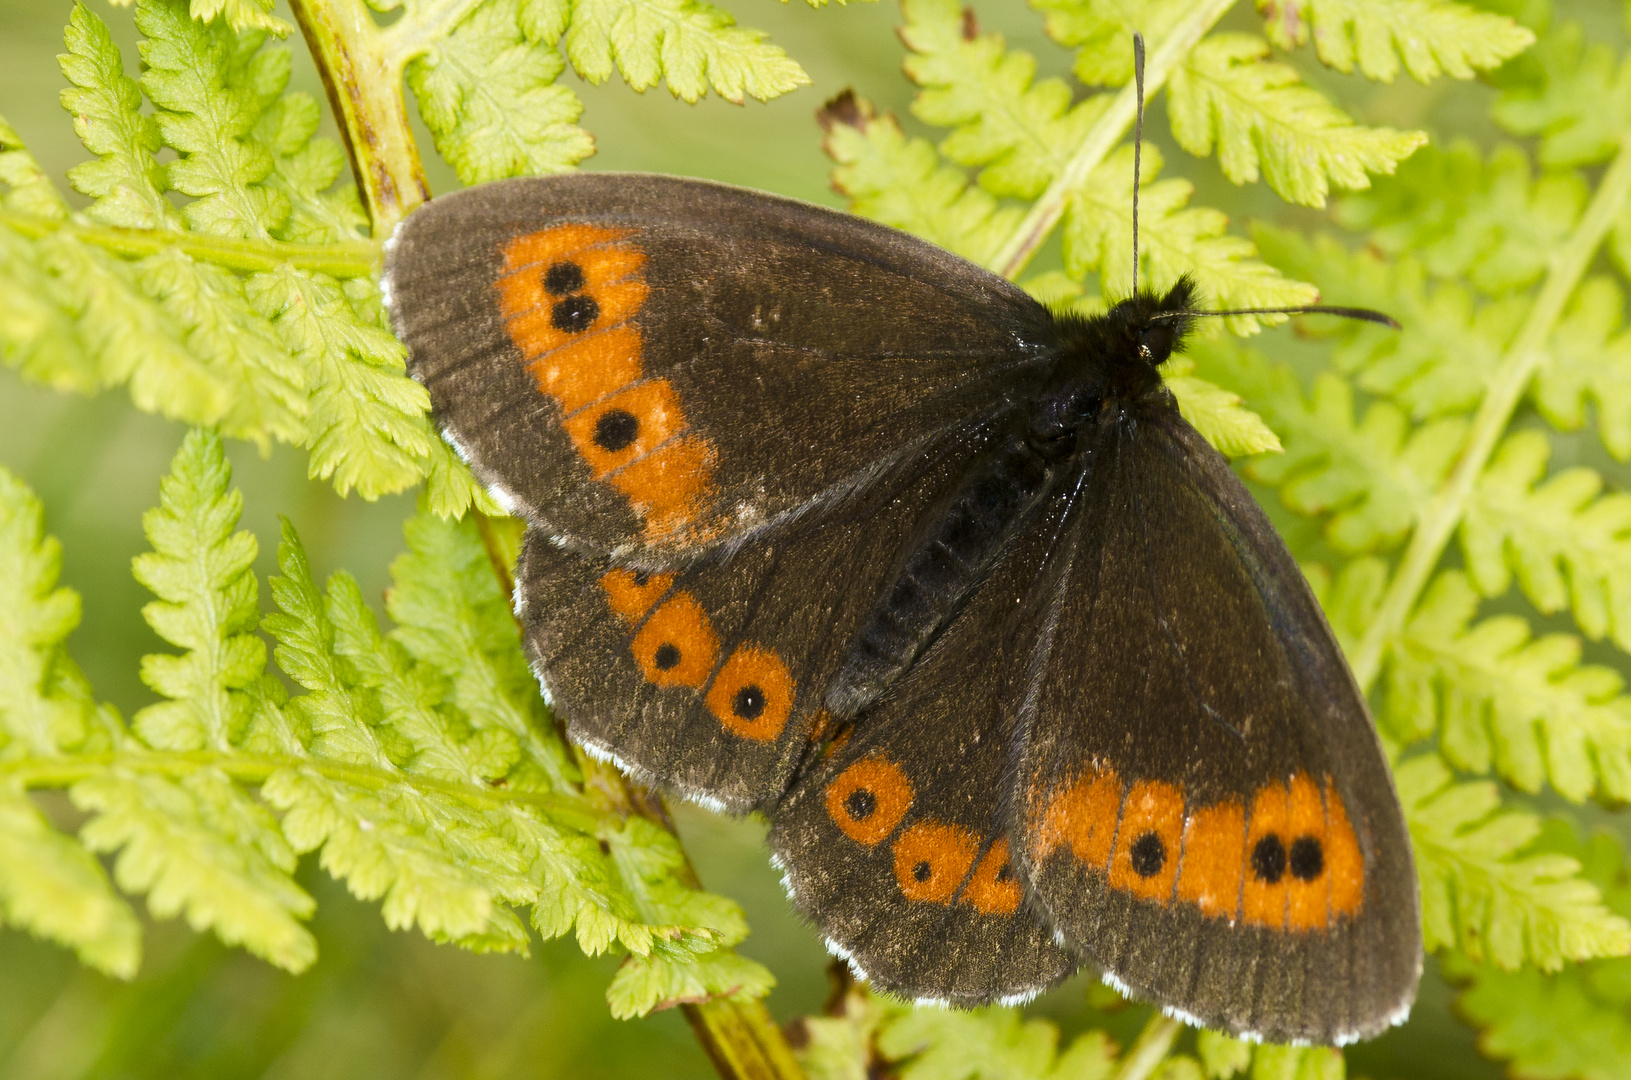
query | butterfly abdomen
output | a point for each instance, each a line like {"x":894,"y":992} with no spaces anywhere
{"x":949,"y":557}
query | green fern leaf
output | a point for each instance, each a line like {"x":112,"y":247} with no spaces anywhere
{"x":49,"y":885}
{"x":1428,"y":37}
{"x":988,"y":1044}
{"x":238,"y":14}
{"x":126,"y":180}
{"x":202,"y":572}
{"x":1261,"y":118}
{"x":1525,"y":709}
{"x":1103,"y":30}
{"x":1460,"y":216}
{"x":1440,"y":361}
{"x":1174,"y":239}
{"x":1569,"y":544}
{"x":1217,"y":413}
{"x":689,"y":43}
{"x":902,"y":182}
{"x":644,"y":984}
{"x":1482,"y":894}
{"x":1572,"y":1024}
{"x":1578,"y":102}
{"x":487,"y":92}
{"x":1350,"y":597}
{"x":1018,"y":131}
{"x":1590,"y":357}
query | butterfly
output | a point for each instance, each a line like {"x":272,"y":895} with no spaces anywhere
{"x":827,"y":523}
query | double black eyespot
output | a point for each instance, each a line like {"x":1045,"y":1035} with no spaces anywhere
{"x":1271,"y":860}
{"x":576,"y":311}
{"x":860,"y":804}
{"x":1148,"y":855}
{"x":749,"y":702}
{"x":615,"y":430}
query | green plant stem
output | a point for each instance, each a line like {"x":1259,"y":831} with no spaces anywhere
{"x":349,"y":260}
{"x":1506,"y":389}
{"x":1150,"y":1049}
{"x":68,"y":769}
{"x":1102,"y":137}
{"x":363,"y":77}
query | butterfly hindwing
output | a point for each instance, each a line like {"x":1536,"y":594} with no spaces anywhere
{"x":1201,"y":803}
{"x":649,"y":666}
{"x":895,"y":843}
{"x":649,"y":365}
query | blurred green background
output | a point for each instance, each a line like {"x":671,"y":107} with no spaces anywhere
{"x":383,"y":1004}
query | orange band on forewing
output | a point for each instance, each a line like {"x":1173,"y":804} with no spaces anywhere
{"x":993,"y":889}
{"x":1145,"y":862}
{"x":590,"y":368}
{"x":1344,"y":863}
{"x":753,"y":693}
{"x":1264,"y":897}
{"x":631,"y":594}
{"x":931,"y":860}
{"x":1307,"y":885}
{"x":867,"y":800}
{"x":1081,"y":816}
{"x":1214,"y":859}
{"x":567,"y":294}
{"x":677,"y":646}
{"x":666,"y":487}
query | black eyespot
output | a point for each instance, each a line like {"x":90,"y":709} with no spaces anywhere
{"x":666,"y":657}
{"x":1269,"y":859}
{"x":1307,"y":858}
{"x":575,"y":314}
{"x":641,"y":577}
{"x":1149,"y":855}
{"x":1006,"y":873}
{"x":615,"y":430}
{"x":860,"y":804}
{"x":749,"y":702}
{"x":921,"y":871}
{"x":563,"y":278}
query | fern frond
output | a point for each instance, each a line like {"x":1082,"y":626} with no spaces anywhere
{"x":487,"y":92}
{"x":1573,"y":1023}
{"x":1569,"y":544}
{"x":1449,"y":347}
{"x":1103,"y":32}
{"x":1217,"y":413}
{"x":1370,"y":478}
{"x":1482,"y":894}
{"x":1589,"y":358}
{"x":201,"y":570}
{"x":988,"y":1044}
{"x":1460,"y":216}
{"x":1575,"y":97}
{"x":1428,"y":38}
{"x":1263,"y":120}
{"x":1018,"y":131}
{"x":1222,"y":1057}
{"x":690,"y":44}
{"x":1500,"y":701}
{"x":902,"y":182}
{"x":238,"y":14}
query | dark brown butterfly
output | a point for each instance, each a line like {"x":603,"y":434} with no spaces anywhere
{"x":828,"y":523}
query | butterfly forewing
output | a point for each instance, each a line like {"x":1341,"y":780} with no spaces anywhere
{"x":1201,"y":804}
{"x":651,"y":366}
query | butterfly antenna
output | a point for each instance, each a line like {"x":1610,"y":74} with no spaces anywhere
{"x":1138,"y":142}
{"x":1362,"y":314}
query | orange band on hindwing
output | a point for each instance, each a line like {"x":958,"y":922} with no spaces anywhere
{"x":931,"y":860}
{"x":568,"y":295}
{"x":1287,"y":858}
{"x":677,"y":645}
{"x":993,"y":890}
{"x":868,"y":799}
{"x":631,"y":593}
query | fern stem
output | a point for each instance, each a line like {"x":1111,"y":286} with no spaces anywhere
{"x":344,"y":260}
{"x":68,"y":769}
{"x":1102,"y":137}
{"x":1151,"y":1048}
{"x":1506,"y":389}
{"x":363,"y":77}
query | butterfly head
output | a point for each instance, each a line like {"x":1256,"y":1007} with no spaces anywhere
{"x":1116,"y":357}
